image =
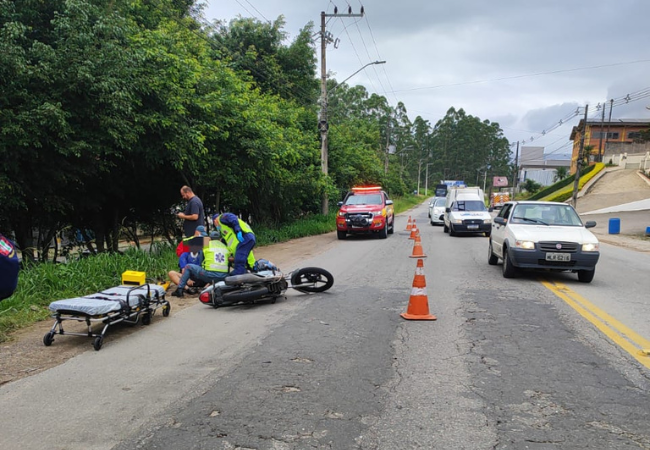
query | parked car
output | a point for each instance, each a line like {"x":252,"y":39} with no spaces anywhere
{"x":543,"y":235}
{"x":437,"y":210}
{"x":365,"y":210}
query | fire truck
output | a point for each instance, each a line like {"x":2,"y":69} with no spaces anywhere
{"x":499,"y":199}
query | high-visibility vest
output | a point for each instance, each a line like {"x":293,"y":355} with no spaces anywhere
{"x":230,"y":237}
{"x":215,"y":257}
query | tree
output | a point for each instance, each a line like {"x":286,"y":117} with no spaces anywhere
{"x":531,"y":186}
{"x":561,"y":173}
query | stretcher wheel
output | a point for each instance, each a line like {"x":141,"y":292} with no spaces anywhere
{"x":146,"y":319}
{"x":98,"y":342}
{"x":48,"y":338}
{"x":166,"y":309}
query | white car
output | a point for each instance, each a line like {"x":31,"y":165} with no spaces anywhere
{"x":437,"y":210}
{"x":543,"y":235}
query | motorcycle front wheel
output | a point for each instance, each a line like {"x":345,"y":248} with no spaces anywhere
{"x":311,"y":279}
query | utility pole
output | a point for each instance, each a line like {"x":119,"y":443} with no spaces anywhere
{"x":323,"y":126}
{"x":602,"y":127}
{"x":576,"y":181}
{"x":387,"y":146}
{"x":515,"y":177}
{"x":609,"y":123}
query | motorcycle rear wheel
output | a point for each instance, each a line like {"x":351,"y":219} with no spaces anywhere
{"x":312,"y":279}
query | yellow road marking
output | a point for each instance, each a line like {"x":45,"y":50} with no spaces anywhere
{"x":630,"y":341}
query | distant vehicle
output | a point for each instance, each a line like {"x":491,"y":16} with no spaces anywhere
{"x":466,"y":213}
{"x":441,"y":190}
{"x":499,"y":199}
{"x":365,"y":210}
{"x":453,"y":192}
{"x":437,"y":210}
{"x":543,"y":235}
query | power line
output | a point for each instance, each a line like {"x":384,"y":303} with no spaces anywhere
{"x":629,"y":98}
{"x":525,"y":75}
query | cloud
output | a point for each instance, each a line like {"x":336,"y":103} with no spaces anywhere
{"x":523,"y":64}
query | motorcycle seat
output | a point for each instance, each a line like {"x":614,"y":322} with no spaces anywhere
{"x":252,"y":278}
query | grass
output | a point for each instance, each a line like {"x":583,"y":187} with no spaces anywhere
{"x":41,"y":284}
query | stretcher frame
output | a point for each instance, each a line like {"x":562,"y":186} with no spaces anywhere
{"x":143,"y":310}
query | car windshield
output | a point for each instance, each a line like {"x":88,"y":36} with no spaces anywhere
{"x":366,"y":199}
{"x":544,"y":214}
{"x":468,"y":205}
{"x":440,"y":201}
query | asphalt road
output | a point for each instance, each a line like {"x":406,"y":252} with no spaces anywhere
{"x":508,"y":364}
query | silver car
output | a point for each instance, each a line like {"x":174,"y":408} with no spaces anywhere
{"x":543,"y":235}
{"x":437,"y":210}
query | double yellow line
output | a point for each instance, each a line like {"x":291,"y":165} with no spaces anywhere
{"x":624,"y":337}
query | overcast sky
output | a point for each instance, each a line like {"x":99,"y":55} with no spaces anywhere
{"x":526,"y":64}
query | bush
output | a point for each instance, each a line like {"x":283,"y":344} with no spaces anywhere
{"x":567,"y":192}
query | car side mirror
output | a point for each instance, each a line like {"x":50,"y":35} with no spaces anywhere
{"x":340,"y":204}
{"x":447,"y":209}
{"x":389,"y":202}
{"x":490,"y":209}
{"x":590,"y":224}
{"x":500,"y":220}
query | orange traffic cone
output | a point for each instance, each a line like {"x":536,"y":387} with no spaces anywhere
{"x":414,"y":231}
{"x":419,"y":280}
{"x":418,"y":308}
{"x":418,"y":252}
{"x":409,"y":225}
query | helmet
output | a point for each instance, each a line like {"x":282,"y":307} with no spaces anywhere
{"x":264,"y":264}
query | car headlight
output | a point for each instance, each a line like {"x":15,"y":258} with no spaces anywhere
{"x":590,"y":247}
{"x":457,"y":221}
{"x":341,"y":214}
{"x":487,"y":221}
{"x":526,"y":245}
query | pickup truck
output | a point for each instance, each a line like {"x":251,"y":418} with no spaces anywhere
{"x":365,"y":210}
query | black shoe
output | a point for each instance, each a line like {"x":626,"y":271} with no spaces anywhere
{"x":178,"y":293}
{"x":192,"y":291}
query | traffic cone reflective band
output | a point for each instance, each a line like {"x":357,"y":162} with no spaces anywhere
{"x":409,"y":225}
{"x":414,"y":231}
{"x":418,"y":252}
{"x":418,"y":308}
{"x":418,"y":279}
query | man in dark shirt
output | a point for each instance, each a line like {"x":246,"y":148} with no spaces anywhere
{"x":193,"y":216}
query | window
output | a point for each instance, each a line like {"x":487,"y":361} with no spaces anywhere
{"x":468,"y":205}
{"x":600,"y":134}
{"x":633,"y":134}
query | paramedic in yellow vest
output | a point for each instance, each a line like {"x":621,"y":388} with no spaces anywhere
{"x":213,"y":268}
{"x":239,"y":238}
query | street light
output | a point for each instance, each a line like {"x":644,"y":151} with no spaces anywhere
{"x":369,"y":64}
{"x":323,"y":126}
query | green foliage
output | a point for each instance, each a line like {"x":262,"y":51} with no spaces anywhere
{"x":560,"y":184}
{"x":587,"y":174}
{"x":463,"y":146}
{"x":531,"y":186}
{"x":561,"y":173}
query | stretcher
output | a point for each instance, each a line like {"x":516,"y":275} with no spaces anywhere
{"x":122,"y":303}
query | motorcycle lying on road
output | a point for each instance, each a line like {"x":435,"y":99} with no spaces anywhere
{"x":266,"y":283}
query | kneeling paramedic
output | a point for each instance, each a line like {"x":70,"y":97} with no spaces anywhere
{"x":239,"y":238}
{"x":214,"y":267}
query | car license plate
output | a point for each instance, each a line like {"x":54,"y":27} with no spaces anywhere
{"x":558,"y":257}
{"x":472,"y":227}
